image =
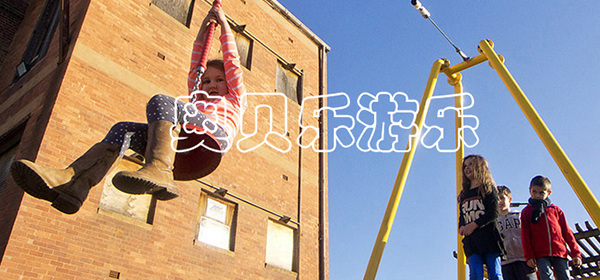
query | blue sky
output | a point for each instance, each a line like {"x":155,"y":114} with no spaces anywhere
{"x":551,"y":49}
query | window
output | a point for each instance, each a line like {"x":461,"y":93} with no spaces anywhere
{"x":9,"y":143}
{"x":281,"y":240}
{"x":181,"y":10}
{"x":136,"y":207}
{"x":6,"y":159}
{"x":40,"y":38}
{"x":13,"y":15}
{"x":288,"y":82}
{"x":244,"y":45}
{"x":217,"y":221}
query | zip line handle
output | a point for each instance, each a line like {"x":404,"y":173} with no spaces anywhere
{"x":208,"y":37}
{"x":208,"y":42}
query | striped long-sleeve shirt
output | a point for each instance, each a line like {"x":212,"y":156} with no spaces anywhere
{"x":227,"y":111}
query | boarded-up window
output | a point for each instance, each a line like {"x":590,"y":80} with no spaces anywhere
{"x":137,"y":207}
{"x":181,"y":10}
{"x":9,"y":143}
{"x":217,"y":221}
{"x":287,"y":82}
{"x":40,"y":39}
{"x":244,"y":45}
{"x":6,"y":160}
{"x":280,"y":245}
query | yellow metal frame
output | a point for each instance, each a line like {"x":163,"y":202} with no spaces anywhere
{"x":487,"y":53}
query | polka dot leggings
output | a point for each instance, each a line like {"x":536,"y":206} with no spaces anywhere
{"x":160,"y":107}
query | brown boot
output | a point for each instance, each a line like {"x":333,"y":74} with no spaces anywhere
{"x":66,"y":188}
{"x":156,"y":176}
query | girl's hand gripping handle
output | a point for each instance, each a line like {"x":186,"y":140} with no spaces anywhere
{"x":208,"y":41}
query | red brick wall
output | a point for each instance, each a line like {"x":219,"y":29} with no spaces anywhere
{"x":28,"y":100}
{"x":112,"y":71}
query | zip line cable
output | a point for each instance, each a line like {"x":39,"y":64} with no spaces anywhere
{"x":425,"y":13}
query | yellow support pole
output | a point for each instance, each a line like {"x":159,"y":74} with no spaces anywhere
{"x":392,"y":207}
{"x":456,"y":81}
{"x":584,"y":194}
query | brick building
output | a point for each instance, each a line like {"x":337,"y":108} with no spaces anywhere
{"x":70,"y":69}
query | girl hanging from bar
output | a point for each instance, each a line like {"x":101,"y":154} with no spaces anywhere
{"x":212,"y":119}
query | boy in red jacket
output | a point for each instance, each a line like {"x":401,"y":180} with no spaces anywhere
{"x":546,"y":234}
